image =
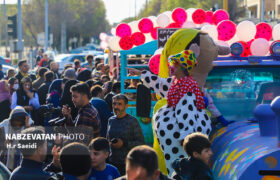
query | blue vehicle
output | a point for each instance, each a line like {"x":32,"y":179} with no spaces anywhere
{"x":242,"y":89}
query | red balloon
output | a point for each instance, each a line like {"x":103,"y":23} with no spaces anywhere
{"x":199,"y":16}
{"x":154,"y":64}
{"x":154,"y":33}
{"x":220,"y":15}
{"x":145,"y":25}
{"x":226,"y":30}
{"x":264,"y":30}
{"x":179,"y":15}
{"x":209,"y":17}
{"x":174,"y":25}
{"x":138,"y":38}
{"x":246,"y":49}
{"x":123,"y":30}
{"x":126,"y":43}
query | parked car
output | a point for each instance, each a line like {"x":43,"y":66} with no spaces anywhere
{"x":5,"y":60}
{"x":64,"y":59}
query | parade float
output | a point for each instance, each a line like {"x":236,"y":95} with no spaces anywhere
{"x":242,"y":85}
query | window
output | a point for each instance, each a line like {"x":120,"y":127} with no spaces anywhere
{"x":235,"y":90}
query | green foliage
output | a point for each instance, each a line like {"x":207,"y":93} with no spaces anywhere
{"x":155,"y":7}
{"x":83,"y":18}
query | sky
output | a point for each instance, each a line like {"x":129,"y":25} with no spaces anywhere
{"x":116,"y":10}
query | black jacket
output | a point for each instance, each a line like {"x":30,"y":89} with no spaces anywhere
{"x":43,"y":91}
{"x":191,"y":169}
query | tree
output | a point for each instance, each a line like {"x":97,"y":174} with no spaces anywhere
{"x":84,"y":18}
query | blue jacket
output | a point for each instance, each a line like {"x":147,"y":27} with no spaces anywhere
{"x":104,"y":113}
{"x":30,"y":170}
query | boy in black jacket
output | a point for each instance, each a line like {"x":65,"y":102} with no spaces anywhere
{"x":196,"y":167}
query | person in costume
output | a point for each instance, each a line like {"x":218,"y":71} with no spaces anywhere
{"x":181,"y":82}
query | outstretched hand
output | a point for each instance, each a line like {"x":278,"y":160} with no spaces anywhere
{"x":133,"y":71}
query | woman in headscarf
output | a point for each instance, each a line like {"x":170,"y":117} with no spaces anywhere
{"x":26,"y":97}
{"x":67,"y":97}
{"x":54,"y":94}
{"x":14,"y":124}
{"x":5,"y":100}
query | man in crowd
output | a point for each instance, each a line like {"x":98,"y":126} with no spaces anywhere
{"x":116,"y":89}
{"x":23,"y":67}
{"x":70,"y":74}
{"x":10,"y":73}
{"x":75,"y":161}
{"x":99,"y":152}
{"x":44,"y":88}
{"x":54,"y":67}
{"x":39,"y":57}
{"x":38,"y":82}
{"x":31,"y":167}
{"x":142,"y":163}
{"x":1,"y":72}
{"x":124,"y":133}
{"x":89,"y":64}
{"x":101,"y":106}
{"x":45,"y":62}
{"x":87,"y":115}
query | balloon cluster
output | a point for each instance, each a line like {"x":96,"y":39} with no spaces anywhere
{"x":216,"y":24}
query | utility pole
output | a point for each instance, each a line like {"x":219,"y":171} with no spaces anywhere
{"x":262,"y":10}
{"x":19,"y":32}
{"x":46,"y":25}
{"x":225,"y":5}
{"x":6,"y":30}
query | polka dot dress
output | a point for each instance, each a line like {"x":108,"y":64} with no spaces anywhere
{"x":171,"y":124}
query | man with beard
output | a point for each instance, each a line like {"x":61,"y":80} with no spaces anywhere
{"x":124,"y":133}
{"x":87,"y":115}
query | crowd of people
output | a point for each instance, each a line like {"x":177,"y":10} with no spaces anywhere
{"x":84,"y":98}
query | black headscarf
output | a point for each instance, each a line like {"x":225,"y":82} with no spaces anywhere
{"x":84,"y":75}
{"x":66,"y":98}
{"x":22,"y":98}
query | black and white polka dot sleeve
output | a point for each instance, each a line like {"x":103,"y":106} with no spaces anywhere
{"x":157,"y":84}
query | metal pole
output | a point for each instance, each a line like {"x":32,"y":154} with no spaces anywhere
{"x":46,"y":26}
{"x":262,"y":10}
{"x":6,"y":29}
{"x":19,"y":32}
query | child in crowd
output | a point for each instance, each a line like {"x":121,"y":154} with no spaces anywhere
{"x":198,"y":148}
{"x":99,"y":151}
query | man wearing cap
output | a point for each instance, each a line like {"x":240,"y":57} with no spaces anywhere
{"x":18,"y":120}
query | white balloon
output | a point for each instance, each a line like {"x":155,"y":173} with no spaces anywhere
{"x":163,"y":20}
{"x":189,"y":12}
{"x":222,"y":43}
{"x":211,"y":30}
{"x":114,"y":43}
{"x":134,"y":26}
{"x":233,"y":40}
{"x":148,"y":37}
{"x":113,"y":31}
{"x":260,"y":47}
{"x":102,"y":36}
{"x":276,"y":32}
{"x":103,"y":45}
{"x":169,"y":14}
{"x":246,"y":31}
{"x":189,"y":24}
{"x":158,"y":51}
{"x":154,"y":20}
